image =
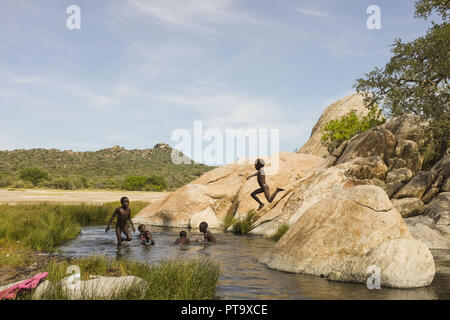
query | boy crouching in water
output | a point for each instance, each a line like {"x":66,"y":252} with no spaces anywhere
{"x":207,"y":234}
{"x":145,"y":236}
{"x":183,"y":239}
{"x":123,"y":216}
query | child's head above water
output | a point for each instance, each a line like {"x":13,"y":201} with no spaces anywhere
{"x":183,"y":234}
{"x":203,"y":226}
{"x":141,"y":228}
{"x":259,"y":163}
{"x":147,"y":234}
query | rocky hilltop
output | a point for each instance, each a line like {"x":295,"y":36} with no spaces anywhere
{"x":367,"y":204}
{"x":334,"y":111}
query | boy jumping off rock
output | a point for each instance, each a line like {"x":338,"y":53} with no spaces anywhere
{"x":259,"y":165}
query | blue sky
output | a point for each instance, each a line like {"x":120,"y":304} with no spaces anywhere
{"x":137,"y":70}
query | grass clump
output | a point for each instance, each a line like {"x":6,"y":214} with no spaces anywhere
{"x":45,"y":226}
{"x":280,"y":231}
{"x":244,"y":225}
{"x":171,"y":280}
{"x":228,"y":221}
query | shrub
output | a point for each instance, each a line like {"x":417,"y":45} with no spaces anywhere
{"x":34,"y":175}
{"x":337,"y":131}
{"x":244,"y":225}
{"x":152,"y":183}
{"x":280,"y":232}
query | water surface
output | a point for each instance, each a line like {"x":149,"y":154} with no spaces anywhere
{"x":242,"y":276}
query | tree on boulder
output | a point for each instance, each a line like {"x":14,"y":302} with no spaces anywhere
{"x":339,"y":130}
{"x":416,"y":78}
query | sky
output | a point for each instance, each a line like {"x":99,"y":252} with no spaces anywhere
{"x":138,"y":70}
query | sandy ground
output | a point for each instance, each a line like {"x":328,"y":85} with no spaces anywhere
{"x":72,"y":197}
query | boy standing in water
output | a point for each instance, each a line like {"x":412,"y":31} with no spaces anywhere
{"x":207,"y":234}
{"x":263,"y":187}
{"x":123,"y":216}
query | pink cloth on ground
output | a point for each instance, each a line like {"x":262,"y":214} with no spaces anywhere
{"x":32,"y":283}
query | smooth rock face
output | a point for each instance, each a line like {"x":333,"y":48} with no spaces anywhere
{"x":374,"y":142}
{"x":225,"y":190}
{"x":439,"y":210}
{"x":417,"y":186}
{"x":333,"y":112}
{"x":346,"y":232}
{"x":408,"y":127}
{"x":445,"y":187}
{"x":408,"y":207}
{"x":424,"y":229}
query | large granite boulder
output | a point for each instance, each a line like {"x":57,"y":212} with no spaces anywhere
{"x":417,"y":186}
{"x":374,"y":142}
{"x":332,"y":112}
{"x":408,"y":207}
{"x":439,"y":210}
{"x":408,"y":127}
{"x":225,"y":190}
{"x":348,"y":231}
{"x":423,"y":228}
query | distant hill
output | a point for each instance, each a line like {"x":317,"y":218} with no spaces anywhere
{"x":103,"y":169}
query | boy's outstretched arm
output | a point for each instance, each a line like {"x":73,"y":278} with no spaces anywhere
{"x":110,"y":220}
{"x":252,"y":175}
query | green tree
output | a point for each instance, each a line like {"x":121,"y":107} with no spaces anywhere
{"x":337,"y":131}
{"x":416,"y":78}
{"x":34,"y":175}
{"x":152,"y":183}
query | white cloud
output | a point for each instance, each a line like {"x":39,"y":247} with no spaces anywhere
{"x":201,"y":15}
{"x":314,"y":13}
{"x":91,"y":98}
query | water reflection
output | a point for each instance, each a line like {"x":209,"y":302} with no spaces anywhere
{"x":242,"y":276}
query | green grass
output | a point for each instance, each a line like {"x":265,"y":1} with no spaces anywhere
{"x":280,"y":231}
{"x":228,"y":221}
{"x":171,"y":280}
{"x":45,"y":226}
{"x":244,"y":225}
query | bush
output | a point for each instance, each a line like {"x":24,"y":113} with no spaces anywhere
{"x":4,"y":181}
{"x":282,"y":229}
{"x":69,"y":183}
{"x":152,"y":183}
{"x":244,"y":225}
{"x":337,"y":131}
{"x":34,"y":175}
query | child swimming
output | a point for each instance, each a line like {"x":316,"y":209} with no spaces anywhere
{"x":207,"y":234}
{"x":147,"y":239}
{"x":183,"y":239}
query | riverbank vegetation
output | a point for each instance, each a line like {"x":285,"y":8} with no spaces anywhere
{"x":45,"y":226}
{"x":194,"y":279}
{"x":282,"y":229}
{"x":244,"y":224}
{"x":29,"y":231}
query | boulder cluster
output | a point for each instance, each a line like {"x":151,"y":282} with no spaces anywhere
{"x":367,"y":205}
